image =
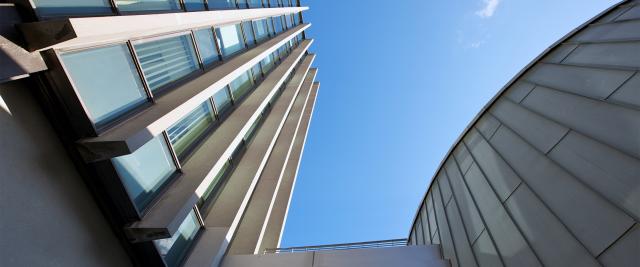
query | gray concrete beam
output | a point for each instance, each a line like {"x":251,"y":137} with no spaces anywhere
{"x":130,"y":135}
{"x":16,"y":62}
{"x":246,"y":237}
{"x":274,"y":222}
{"x":164,"y":217}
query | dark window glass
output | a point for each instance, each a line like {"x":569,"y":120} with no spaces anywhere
{"x":248,"y":32}
{"x":255,"y":3}
{"x":207,"y":46}
{"x":147,"y":5}
{"x":261,"y":29}
{"x":243,"y":4}
{"x":194,"y":5}
{"x":273,"y":3}
{"x":50,"y":8}
{"x":106,"y":80}
{"x":190,"y":129}
{"x":222,"y":4}
{"x":145,"y":171}
{"x":241,"y":85}
{"x":167,"y":60}
{"x":222,"y":100}
{"x":174,"y":249}
{"x":256,"y":72}
{"x":277,"y":22}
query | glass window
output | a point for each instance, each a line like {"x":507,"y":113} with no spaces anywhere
{"x":147,"y":5}
{"x":288,"y":20}
{"x":248,"y":32}
{"x":280,"y":4}
{"x":267,"y":63}
{"x":261,"y":29}
{"x":145,"y":171}
{"x":194,"y":5}
{"x":252,"y":130}
{"x":207,"y":46}
{"x":230,"y":39}
{"x":272,"y":31}
{"x":222,"y":100}
{"x":243,"y":4}
{"x":241,"y":85}
{"x":256,"y":73}
{"x":106,"y":80}
{"x":167,"y":60}
{"x":255,"y":3}
{"x":277,"y":22}
{"x":222,"y":4}
{"x":216,"y":180}
{"x":174,"y":249}
{"x":273,"y":3}
{"x":186,"y":132}
{"x":71,"y":7}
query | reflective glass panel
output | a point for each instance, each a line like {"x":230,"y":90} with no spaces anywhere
{"x":261,"y":30}
{"x":277,"y":22}
{"x":166,"y":60}
{"x":222,"y":4}
{"x":230,"y":38}
{"x":255,"y":3}
{"x":256,"y":73}
{"x":242,"y":4}
{"x":287,"y":18}
{"x":71,"y":7}
{"x":186,"y":132}
{"x":267,"y":63}
{"x":222,"y":100}
{"x":216,"y":180}
{"x":147,"y":5}
{"x":194,"y":5}
{"x":106,"y":80}
{"x":145,"y":171}
{"x":174,"y":249}
{"x":248,"y":32}
{"x":207,"y":46}
{"x":241,"y":85}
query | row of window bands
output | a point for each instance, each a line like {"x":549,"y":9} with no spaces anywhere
{"x":57,"y":8}
{"x":116,"y":80}
{"x":175,"y":249}
{"x":149,"y":169}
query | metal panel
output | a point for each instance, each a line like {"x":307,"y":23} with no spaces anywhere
{"x":472,"y":221}
{"x":512,"y":246}
{"x":590,"y":82}
{"x":592,"y":219}
{"x":444,"y":187}
{"x":624,"y":253}
{"x":633,"y":13}
{"x":432,"y":217}
{"x":463,"y":247}
{"x":487,"y":125}
{"x":462,"y":156}
{"x":502,"y":178}
{"x":540,"y":132}
{"x":606,"y":170}
{"x":485,"y":251}
{"x":559,"y":53}
{"x":629,"y":93}
{"x":549,"y":238}
{"x":519,"y":91}
{"x":609,"y":32}
{"x":613,"y":125}
{"x":614,"y":54}
{"x":448,"y":249}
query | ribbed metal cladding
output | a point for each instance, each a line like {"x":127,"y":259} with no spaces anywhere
{"x":548,"y":174}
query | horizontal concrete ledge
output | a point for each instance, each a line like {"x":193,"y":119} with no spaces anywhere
{"x":164,"y":217}
{"x":128,"y":136}
{"x":16,"y":62}
{"x":79,"y":32}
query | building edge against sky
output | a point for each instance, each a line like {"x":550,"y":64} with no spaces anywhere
{"x":548,"y":173}
{"x":150,"y":133}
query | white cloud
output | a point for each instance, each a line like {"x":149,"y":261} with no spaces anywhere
{"x":477,"y":44}
{"x":488,"y":9}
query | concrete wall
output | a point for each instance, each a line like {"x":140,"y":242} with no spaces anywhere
{"x":407,"y":256}
{"x":549,"y":175}
{"x":47,"y":215}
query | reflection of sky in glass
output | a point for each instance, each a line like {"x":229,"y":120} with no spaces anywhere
{"x":229,"y":37}
{"x":147,"y":5}
{"x":60,"y":7}
{"x":106,"y":79}
{"x":144,"y":171}
{"x":173,"y":250}
{"x":206,"y":46}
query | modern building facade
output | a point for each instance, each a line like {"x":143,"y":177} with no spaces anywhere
{"x":150,"y":132}
{"x":548,"y":174}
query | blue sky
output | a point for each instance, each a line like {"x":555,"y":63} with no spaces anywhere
{"x":400,"y":80}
